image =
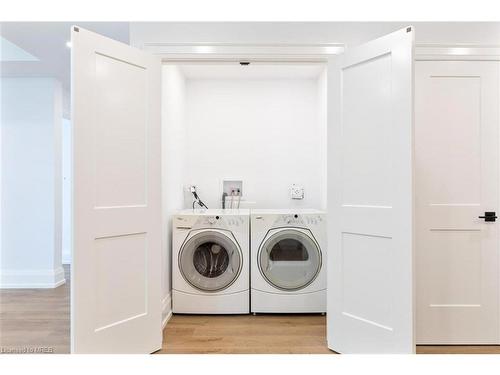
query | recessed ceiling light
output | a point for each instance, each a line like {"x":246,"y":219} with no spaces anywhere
{"x":68,"y":44}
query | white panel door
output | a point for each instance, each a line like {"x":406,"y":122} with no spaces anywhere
{"x":456,"y":156}
{"x":370,"y":203}
{"x":115,"y":305}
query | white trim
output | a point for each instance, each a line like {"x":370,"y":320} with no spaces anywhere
{"x":425,"y":51}
{"x":66,"y":256}
{"x":32,"y":279}
{"x":237,"y":52}
{"x":306,"y":52}
{"x":166,"y":313}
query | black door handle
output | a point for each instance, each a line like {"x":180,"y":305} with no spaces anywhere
{"x":489,"y":216}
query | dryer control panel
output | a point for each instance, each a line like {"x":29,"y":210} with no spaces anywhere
{"x":313,"y":219}
{"x":298,"y":220}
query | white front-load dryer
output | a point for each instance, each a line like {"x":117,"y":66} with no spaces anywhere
{"x":288,"y":261}
{"x":210,"y":262}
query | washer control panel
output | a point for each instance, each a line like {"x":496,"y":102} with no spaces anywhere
{"x":210,"y":221}
{"x":204,"y":221}
{"x":292,"y":219}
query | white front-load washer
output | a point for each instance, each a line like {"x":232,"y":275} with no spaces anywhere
{"x":288,"y":261}
{"x":210,"y":262}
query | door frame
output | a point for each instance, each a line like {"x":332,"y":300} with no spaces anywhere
{"x":202,"y":53}
{"x":312,"y":52}
{"x":270,"y":52}
{"x":456,"y":52}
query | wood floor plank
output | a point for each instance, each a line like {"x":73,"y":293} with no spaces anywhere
{"x":458,"y":349}
{"x":36,"y":318}
{"x":31,"y":318}
{"x":264,"y":334}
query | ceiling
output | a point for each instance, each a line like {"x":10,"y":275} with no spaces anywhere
{"x":46,"y":41}
{"x":11,"y":52}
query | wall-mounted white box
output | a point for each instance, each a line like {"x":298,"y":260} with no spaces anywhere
{"x":232,"y":187}
{"x":296,"y":192}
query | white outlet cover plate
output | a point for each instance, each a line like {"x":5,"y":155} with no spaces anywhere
{"x":297,"y":192}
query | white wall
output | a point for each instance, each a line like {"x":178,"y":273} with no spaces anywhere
{"x":322,"y":111}
{"x":266,"y":132}
{"x":1,"y":168}
{"x":67,"y":177}
{"x":349,"y":33}
{"x":31,"y":183}
{"x":173,"y":141}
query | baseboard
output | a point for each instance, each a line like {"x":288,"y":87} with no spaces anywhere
{"x":31,"y":279}
{"x":166,"y":313}
{"x":66,"y":256}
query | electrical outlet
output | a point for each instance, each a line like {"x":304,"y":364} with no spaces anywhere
{"x":297,"y":192}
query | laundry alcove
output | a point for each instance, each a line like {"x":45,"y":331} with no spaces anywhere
{"x":340,"y":126}
{"x":263,"y":123}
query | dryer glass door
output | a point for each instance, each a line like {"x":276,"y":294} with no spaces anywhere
{"x":210,"y":260}
{"x":290,"y":259}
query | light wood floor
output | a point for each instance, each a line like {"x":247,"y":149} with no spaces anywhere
{"x":266,"y":334}
{"x":36,"y":318}
{"x":40,"y":318}
{"x":278,"y":334}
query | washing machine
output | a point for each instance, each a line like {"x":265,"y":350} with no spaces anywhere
{"x":288,"y":261}
{"x":210,"y":262}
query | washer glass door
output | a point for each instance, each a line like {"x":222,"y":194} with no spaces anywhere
{"x":210,"y":260}
{"x":290,"y":259}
